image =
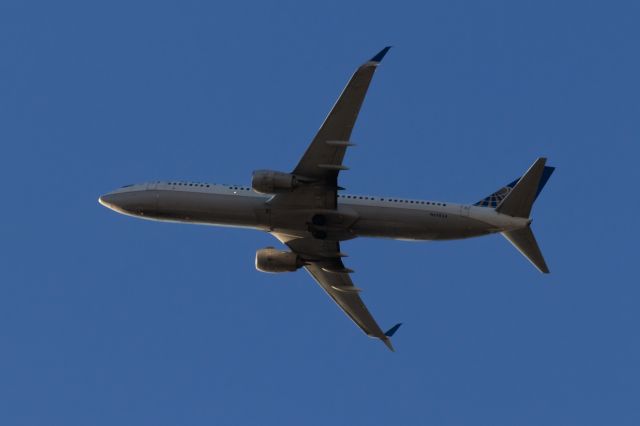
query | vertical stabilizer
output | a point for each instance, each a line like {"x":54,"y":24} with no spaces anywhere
{"x":525,"y":242}
{"x":519,"y":200}
{"x":496,"y":198}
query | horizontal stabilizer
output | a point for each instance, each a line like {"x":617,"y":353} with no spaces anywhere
{"x":523,"y":240}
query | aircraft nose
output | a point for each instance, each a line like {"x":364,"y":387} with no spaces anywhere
{"x":124,"y":202}
{"x":110,"y":201}
{"x":137,"y":203}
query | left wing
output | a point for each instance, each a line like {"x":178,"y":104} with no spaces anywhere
{"x":323,"y":158}
{"x":321,"y":163}
{"x":323,"y":261}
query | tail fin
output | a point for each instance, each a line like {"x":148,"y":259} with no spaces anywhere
{"x":516,"y":199}
{"x":523,"y":240}
{"x":519,"y":200}
{"x":495,"y":199}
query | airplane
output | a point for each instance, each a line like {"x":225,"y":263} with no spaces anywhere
{"x":306,"y":210}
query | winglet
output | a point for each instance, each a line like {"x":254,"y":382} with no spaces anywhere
{"x":392,"y":330}
{"x":386,"y":340}
{"x":380,"y":55}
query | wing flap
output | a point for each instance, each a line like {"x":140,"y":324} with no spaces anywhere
{"x":341,"y":289}
{"x":323,"y":260}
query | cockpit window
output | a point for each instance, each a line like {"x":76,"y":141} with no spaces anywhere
{"x":127,"y":186}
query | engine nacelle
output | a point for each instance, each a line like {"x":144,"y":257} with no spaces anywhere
{"x":272,"y":182}
{"x":271,"y":260}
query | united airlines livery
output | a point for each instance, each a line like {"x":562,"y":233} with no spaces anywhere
{"x":309,"y":212}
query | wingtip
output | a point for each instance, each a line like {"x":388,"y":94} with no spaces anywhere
{"x":387,"y":342}
{"x":386,"y":338}
{"x":390,"y":332}
{"x":378,"y":57}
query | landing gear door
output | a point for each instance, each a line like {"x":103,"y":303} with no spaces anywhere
{"x":263,"y":216}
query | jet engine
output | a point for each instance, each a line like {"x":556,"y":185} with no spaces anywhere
{"x":272,"y":182}
{"x":271,"y":260}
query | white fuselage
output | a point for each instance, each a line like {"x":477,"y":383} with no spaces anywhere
{"x":356,"y":215}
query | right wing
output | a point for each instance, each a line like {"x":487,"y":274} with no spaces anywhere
{"x":324,"y":263}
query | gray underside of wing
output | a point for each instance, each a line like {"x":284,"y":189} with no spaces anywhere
{"x":326,"y":267}
{"x":341,"y":289}
{"x":324,"y":156}
{"x":322,"y":161}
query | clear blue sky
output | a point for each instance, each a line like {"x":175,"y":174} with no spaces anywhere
{"x":107,"y":320}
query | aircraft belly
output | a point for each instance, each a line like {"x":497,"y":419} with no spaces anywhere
{"x":325,"y":223}
{"x":415,"y":224}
